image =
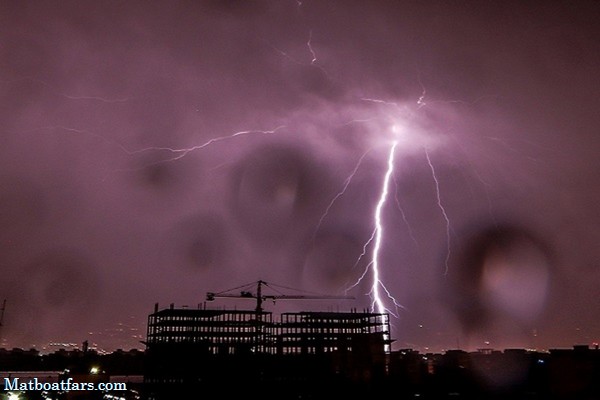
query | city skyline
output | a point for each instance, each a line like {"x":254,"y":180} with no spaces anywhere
{"x":437,"y":161}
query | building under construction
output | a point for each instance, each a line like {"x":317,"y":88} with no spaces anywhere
{"x":205,"y":346}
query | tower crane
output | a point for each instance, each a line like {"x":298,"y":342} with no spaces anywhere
{"x":261,"y":297}
{"x":247,"y":293}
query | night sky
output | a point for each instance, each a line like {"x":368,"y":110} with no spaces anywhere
{"x":153,"y":151}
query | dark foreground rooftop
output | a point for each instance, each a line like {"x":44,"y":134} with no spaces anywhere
{"x":572,"y":374}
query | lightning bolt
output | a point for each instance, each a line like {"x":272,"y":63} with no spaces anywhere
{"x":442,"y":209}
{"x":179,"y":153}
{"x":362,"y":254}
{"x":403,"y":214}
{"x":376,"y":284}
{"x":376,"y":238}
{"x":340,"y":193}
{"x":182,"y":152}
{"x":313,"y":62}
{"x":312,"y":52}
{"x":379,"y":101}
{"x":421,"y":101}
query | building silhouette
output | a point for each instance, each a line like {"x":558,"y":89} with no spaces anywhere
{"x":193,"y":349}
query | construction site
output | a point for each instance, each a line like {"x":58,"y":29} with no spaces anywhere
{"x":254,"y":353}
{"x":204,"y":347}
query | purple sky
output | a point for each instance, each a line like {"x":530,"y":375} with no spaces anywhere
{"x":99,"y":219}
